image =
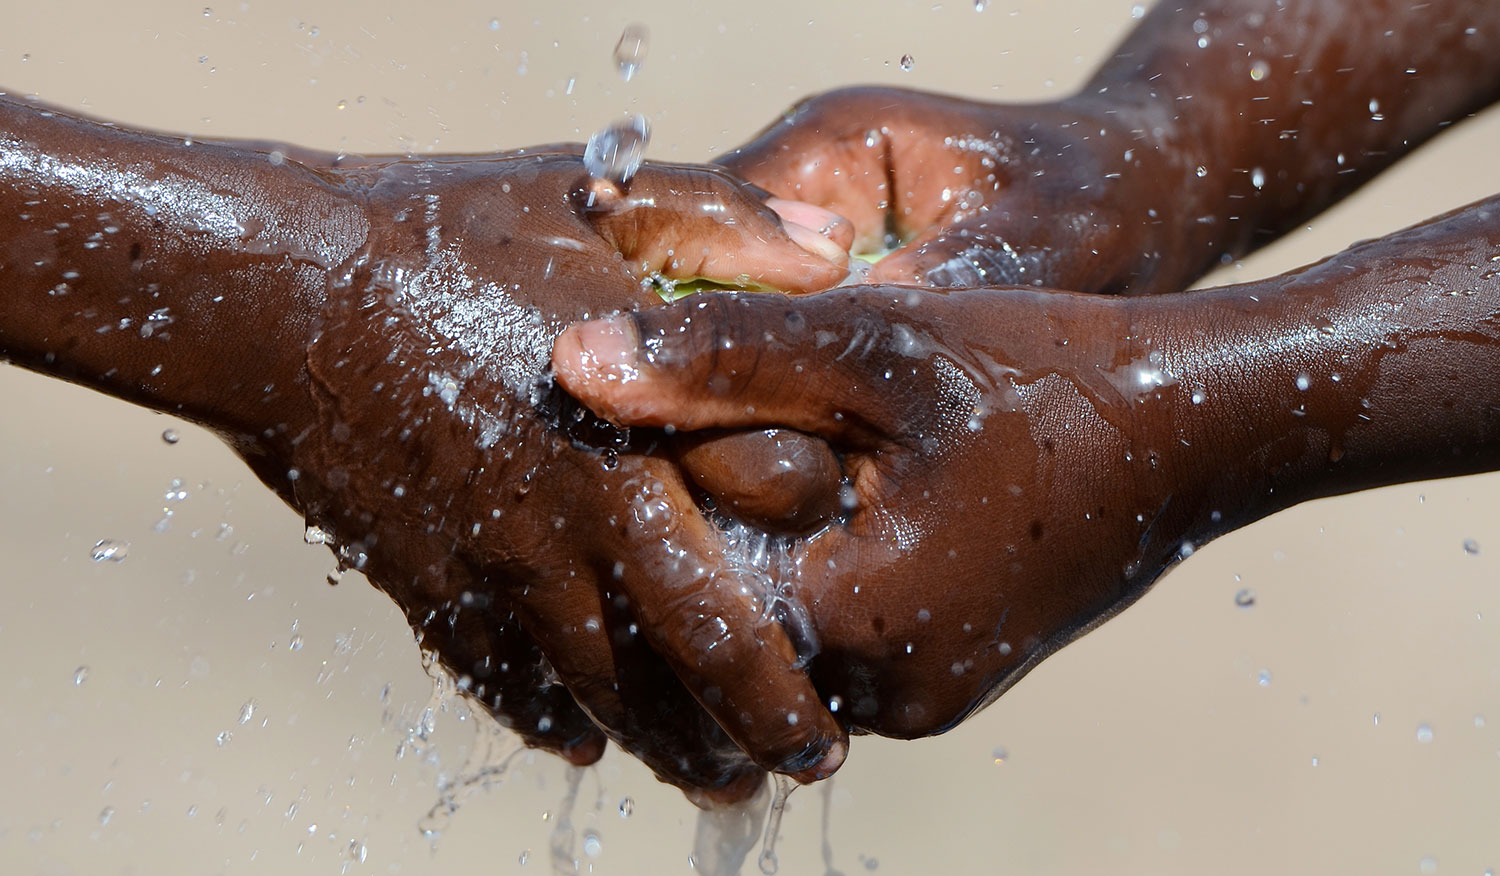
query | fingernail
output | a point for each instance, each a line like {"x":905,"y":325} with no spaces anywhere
{"x":602,"y":351}
{"x":814,"y":242}
{"x":832,"y":752}
{"x":828,"y":223}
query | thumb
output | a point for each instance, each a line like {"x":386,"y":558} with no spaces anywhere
{"x":826,"y":364}
{"x":688,"y":222}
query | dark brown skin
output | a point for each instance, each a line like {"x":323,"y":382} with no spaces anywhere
{"x":371,"y":337}
{"x":1026,"y":463}
{"x":1285,"y":108}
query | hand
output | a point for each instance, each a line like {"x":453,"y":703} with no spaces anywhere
{"x":372,"y":336}
{"x":1072,"y":195}
{"x":1211,"y":130}
{"x":453,"y":473}
{"x":1022,"y":464}
{"x":991,"y":509}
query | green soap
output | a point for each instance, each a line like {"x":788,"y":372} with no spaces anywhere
{"x":676,"y":290}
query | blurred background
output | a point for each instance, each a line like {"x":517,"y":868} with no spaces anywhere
{"x":1308,"y":695}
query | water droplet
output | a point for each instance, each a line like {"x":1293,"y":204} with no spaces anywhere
{"x":1201,"y":171}
{"x":296,"y":643}
{"x":208,"y":12}
{"x":591,"y":844}
{"x":1137,"y":11}
{"x":616,"y":151}
{"x":1424,"y":733}
{"x":1429,"y":866}
{"x":999,"y":756}
{"x":1375,"y":719}
{"x":223,"y":738}
{"x":494,"y":24}
{"x":1244,"y":598}
{"x":80,"y":675}
{"x":1478,"y":721}
{"x":630,"y":51}
{"x":111,"y":550}
{"x":907,"y":63}
{"x":315,"y":534}
{"x":1258,"y":178}
{"x":1263,"y":678}
{"x":627,"y":806}
{"x":170,"y":436}
{"x":1259,"y":69}
{"x":106,"y":814}
{"x":1471,"y":547}
{"x":247,"y":711}
{"x":356,"y":851}
{"x":980,"y":5}
{"x":1303,"y":381}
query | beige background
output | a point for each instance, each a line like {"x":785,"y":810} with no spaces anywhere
{"x":1148,"y":747}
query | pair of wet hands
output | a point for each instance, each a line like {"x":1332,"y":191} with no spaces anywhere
{"x":571,"y":562}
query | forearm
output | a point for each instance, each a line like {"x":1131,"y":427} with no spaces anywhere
{"x":1380,"y":365}
{"x":185,"y":277}
{"x":1274,"y":111}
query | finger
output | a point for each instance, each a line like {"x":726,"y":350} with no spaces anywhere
{"x":695,"y":222}
{"x":826,"y":222}
{"x":1012,"y":243}
{"x":709,"y":603}
{"x":728,"y":360}
{"x":594,"y":643}
{"x":973,"y":253}
{"x":777,"y":479}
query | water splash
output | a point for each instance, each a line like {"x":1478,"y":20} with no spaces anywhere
{"x":615,"y":152}
{"x":725,"y":834}
{"x":767,"y":861}
{"x":108,"y":549}
{"x":631,"y":50}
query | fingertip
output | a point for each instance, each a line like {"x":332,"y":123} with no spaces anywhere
{"x":816,"y":243}
{"x":586,"y":750}
{"x":832,"y":757}
{"x":738,"y":790}
{"x":899,"y":268}
{"x":592,"y":355}
{"x":825,"y":222}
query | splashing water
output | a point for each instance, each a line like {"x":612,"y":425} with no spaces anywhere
{"x":630,"y":51}
{"x":725,"y":834}
{"x":110,"y":550}
{"x":616,"y":151}
{"x":490,"y":757}
{"x":784,"y":787}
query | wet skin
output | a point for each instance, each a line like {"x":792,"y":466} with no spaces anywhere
{"x":1039,"y":199}
{"x":372,"y":337}
{"x":1212,"y":129}
{"x":1026,"y":462}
